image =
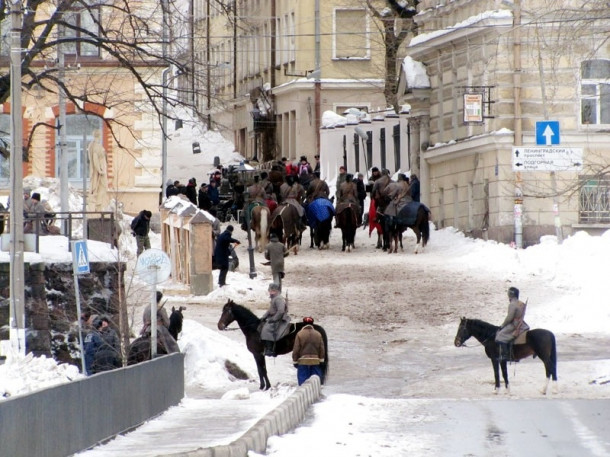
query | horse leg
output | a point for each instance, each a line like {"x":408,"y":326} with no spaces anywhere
{"x":418,"y":235}
{"x":504,"y":366}
{"x":496,"y":366}
{"x":379,"y":241}
{"x":261,"y":366}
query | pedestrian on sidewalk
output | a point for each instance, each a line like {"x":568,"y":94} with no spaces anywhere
{"x":308,"y":352}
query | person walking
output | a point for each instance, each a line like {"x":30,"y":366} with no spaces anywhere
{"x":93,"y":341}
{"x":191,"y":191}
{"x":140,"y":226}
{"x":275,"y":253}
{"x":204,"y":201}
{"x":415,"y":192}
{"x":222,"y":251}
{"x":513,"y":325}
{"x":275,"y":321}
{"x":308,"y":352}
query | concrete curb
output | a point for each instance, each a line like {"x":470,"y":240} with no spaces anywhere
{"x":281,"y":420}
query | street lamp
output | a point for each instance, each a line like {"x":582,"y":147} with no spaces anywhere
{"x":250,"y":248}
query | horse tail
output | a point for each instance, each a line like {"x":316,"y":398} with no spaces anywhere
{"x":425,"y":227}
{"x":553,"y":358}
{"x":264,"y":228}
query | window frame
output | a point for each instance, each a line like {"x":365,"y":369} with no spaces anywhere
{"x":367,"y":38}
{"x":600,"y":94}
{"x":79,"y":149}
{"x":75,"y":49}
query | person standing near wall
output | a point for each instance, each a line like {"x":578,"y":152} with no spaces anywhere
{"x":308,"y":352}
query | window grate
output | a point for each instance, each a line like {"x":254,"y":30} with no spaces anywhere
{"x":594,"y":204}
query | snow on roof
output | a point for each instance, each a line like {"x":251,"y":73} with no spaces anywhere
{"x":416,"y":73}
{"x":493,"y":14}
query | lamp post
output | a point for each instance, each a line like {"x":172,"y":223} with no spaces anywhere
{"x":250,"y":247}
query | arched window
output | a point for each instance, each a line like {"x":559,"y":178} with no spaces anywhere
{"x":595,"y":92}
{"x":79,"y":132}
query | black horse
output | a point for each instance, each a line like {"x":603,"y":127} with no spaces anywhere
{"x":249,"y":323}
{"x":538,"y":343}
{"x":347,"y":221}
{"x":394,"y":226}
{"x":320,"y":213}
{"x":139,"y":349}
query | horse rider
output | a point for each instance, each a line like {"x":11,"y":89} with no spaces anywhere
{"x":165,"y":338}
{"x":348,"y":194}
{"x":317,"y":188}
{"x":513,"y":325}
{"x":275,"y":321}
{"x":293,"y":193}
{"x":258,"y":197}
{"x":399,"y":194}
{"x":378,"y":187}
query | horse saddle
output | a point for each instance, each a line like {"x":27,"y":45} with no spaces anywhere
{"x":521,"y":338}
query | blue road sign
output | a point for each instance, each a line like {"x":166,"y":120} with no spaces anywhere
{"x":547,"y":133}
{"x":80,"y":257}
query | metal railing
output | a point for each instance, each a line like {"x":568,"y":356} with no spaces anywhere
{"x":68,"y":224}
{"x":594,"y":201}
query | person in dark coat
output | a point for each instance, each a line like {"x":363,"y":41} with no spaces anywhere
{"x":191,"y":191}
{"x":93,"y":341}
{"x":171,"y":188}
{"x":222,"y":252}
{"x":361,"y":192}
{"x":213,"y":193}
{"x":205,"y":203}
{"x":107,"y":357}
{"x":140,"y":226}
{"x":415,"y":193}
{"x":308,"y":352}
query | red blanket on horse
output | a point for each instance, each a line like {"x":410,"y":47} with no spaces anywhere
{"x":373,"y":224}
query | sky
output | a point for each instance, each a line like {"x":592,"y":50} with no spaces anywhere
{"x":577,"y":267}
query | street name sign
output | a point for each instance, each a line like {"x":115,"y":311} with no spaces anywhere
{"x":547,"y":159}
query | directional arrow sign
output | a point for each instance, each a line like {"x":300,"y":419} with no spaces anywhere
{"x":547,"y":133}
{"x":547,"y":159}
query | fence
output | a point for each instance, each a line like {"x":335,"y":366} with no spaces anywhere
{"x":101,"y":225}
{"x":72,"y":417}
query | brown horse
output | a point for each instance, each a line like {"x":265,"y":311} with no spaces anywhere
{"x":260,"y":226}
{"x":249,"y":323}
{"x":285,"y":223}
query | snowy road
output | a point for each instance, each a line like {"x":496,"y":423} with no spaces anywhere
{"x":398,"y":385}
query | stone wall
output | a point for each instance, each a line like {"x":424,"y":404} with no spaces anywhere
{"x":50,"y":305}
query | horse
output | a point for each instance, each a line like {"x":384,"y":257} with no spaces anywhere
{"x":320,"y":213}
{"x":260,"y":225}
{"x":347,"y":221}
{"x":538,"y":343}
{"x":285,"y":223}
{"x":249,"y":324}
{"x":407,"y":218}
{"x":139,"y":349}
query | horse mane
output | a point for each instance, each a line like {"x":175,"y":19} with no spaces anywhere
{"x":243,"y":314}
{"x":485,"y":327}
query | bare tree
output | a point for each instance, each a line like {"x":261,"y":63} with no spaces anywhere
{"x":394,"y":22}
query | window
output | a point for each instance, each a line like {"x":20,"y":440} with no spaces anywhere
{"x":594,"y":202}
{"x":351,"y":40}
{"x":5,"y":146}
{"x":595,"y":92}
{"x":85,"y":20}
{"x":79,"y":132}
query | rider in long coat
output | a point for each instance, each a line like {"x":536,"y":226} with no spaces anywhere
{"x":399,"y":194}
{"x":514,"y":323}
{"x":317,"y":188}
{"x":276,"y":320}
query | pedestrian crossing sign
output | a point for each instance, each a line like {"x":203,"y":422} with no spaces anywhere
{"x":80,"y":257}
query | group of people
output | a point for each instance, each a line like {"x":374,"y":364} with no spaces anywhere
{"x":38,"y":211}
{"x":206,"y":197}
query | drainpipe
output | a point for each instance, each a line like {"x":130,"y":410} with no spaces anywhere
{"x":518,"y":206}
{"x":317,"y":83}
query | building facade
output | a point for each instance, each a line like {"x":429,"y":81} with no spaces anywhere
{"x":524,"y":67}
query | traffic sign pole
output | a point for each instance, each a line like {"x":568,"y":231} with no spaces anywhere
{"x":80,"y":262}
